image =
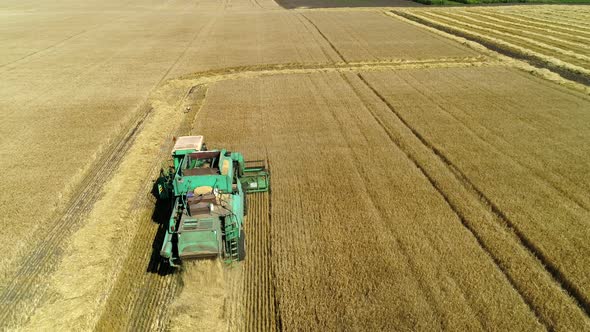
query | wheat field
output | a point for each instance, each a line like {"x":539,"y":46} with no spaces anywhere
{"x":429,"y":166}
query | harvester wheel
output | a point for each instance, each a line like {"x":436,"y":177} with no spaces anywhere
{"x":242,"y":246}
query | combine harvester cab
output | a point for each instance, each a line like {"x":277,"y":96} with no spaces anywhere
{"x":207,"y":190}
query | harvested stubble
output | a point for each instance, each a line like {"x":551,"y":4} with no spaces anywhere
{"x":237,"y":297}
{"x":360,"y":237}
{"x":556,"y":41}
{"x":205,"y":301}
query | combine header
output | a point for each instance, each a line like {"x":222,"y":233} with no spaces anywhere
{"x":207,"y":191}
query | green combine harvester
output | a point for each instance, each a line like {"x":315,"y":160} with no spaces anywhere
{"x":207,"y":190}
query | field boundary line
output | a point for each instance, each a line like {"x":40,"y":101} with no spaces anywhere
{"x":558,"y":277}
{"x":540,"y":65}
{"x":245,"y":72}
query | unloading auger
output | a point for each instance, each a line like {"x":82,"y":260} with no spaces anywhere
{"x":207,"y":189}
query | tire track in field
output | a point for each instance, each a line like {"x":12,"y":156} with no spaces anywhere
{"x":59,"y":43}
{"x":558,"y":276}
{"x":423,"y":289}
{"x":63,"y":41}
{"x":27,"y":288}
{"x":435,"y":184}
{"x":550,"y":178}
{"x":325,"y":38}
{"x":256,"y":4}
{"x":303,"y":22}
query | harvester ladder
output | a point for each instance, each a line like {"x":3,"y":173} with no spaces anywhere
{"x":232,"y":234}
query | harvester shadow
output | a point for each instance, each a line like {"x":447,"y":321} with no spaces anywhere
{"x":160,"y":215}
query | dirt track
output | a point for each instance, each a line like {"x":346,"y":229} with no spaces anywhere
{"x":311,"y":92}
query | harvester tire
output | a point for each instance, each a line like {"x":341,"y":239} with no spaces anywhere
{"x":242,"y":246}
